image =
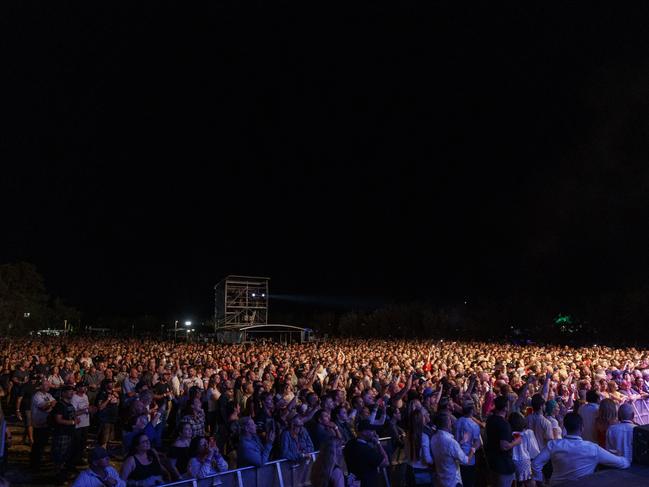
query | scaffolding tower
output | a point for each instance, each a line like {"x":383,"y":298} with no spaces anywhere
{"x":241,"y":301}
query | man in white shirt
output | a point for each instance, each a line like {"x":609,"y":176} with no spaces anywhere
{"x":539,"y":424}
{"x":42,"y":404}
{"x":448,"y":454}
{"x":175,"y":383}
{"x":572,"y":457}
{"x":192,"y":381}
{"x":100,"y":473}
{"x":619,"y":437}
{"x":588,"y":413}
{"x":82,"y":411}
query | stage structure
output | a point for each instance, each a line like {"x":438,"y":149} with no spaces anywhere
{"x":241,"y":301}
{"x":241,"y":313}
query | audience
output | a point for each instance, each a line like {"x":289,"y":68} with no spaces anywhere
{"x":265,"y":401}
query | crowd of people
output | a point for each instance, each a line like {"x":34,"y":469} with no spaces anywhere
{"x":458,"y":413}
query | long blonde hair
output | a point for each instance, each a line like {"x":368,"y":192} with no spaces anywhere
{"x":325,"y":463}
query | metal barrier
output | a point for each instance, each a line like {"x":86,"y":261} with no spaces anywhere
{"x":284,"y":473}
{"x":278,"y":473}
{"x":183,"y":483}
{"x":641,"y":409}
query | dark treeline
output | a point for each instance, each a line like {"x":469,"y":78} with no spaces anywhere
{"x":616,"y":318}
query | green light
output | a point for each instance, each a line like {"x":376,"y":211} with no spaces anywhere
{"x":563,"y":319}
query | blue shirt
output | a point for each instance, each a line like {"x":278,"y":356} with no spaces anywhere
{"x":292,"y":449}
{"x":252,"y":452}
{"x":467,"y":424}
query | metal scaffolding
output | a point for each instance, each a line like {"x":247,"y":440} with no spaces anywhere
{"x":241,"y":301}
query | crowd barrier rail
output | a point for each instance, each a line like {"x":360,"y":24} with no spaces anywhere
{"x":284,"y":473}
{"x":641,"y":410}
{"x":277,"y":473}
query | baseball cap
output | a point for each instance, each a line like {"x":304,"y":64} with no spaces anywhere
{"x":97,"y":453}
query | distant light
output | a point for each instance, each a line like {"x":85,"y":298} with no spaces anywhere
{"x":188,"y":323}
{"x":26,"y":315}
{"x":254,"y":295}
{"x":465,"y":302}
{"x":263,"y":295}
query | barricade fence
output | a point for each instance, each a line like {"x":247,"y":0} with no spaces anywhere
{"x":641,"y":409}
{"x":278,"y":473}
{"x":284,"y":473}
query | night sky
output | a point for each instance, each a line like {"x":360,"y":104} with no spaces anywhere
{"x":368,"y":154}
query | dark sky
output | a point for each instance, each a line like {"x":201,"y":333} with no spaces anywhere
{"x":370,"y":152}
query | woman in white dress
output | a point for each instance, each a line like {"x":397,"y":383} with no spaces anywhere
{"x":525,"y":452}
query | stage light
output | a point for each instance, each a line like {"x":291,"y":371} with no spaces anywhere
{"x":188,"y":323}
{"x":254,"y":295}
{"x":263,"y":295}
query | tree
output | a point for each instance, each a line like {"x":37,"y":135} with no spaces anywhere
{"x":59,"y":313}
{"x":23,"y":298}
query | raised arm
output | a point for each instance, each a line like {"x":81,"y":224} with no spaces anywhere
{"x":546,"y":385}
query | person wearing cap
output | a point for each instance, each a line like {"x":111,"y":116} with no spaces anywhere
{"x":364,"y":455}
{"x":100,"y":473}
{"x":42,"y":404}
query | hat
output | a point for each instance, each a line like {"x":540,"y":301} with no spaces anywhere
{"x":97,"y":453}
{"x":365,"y":424}
{"x":428,"y":392}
